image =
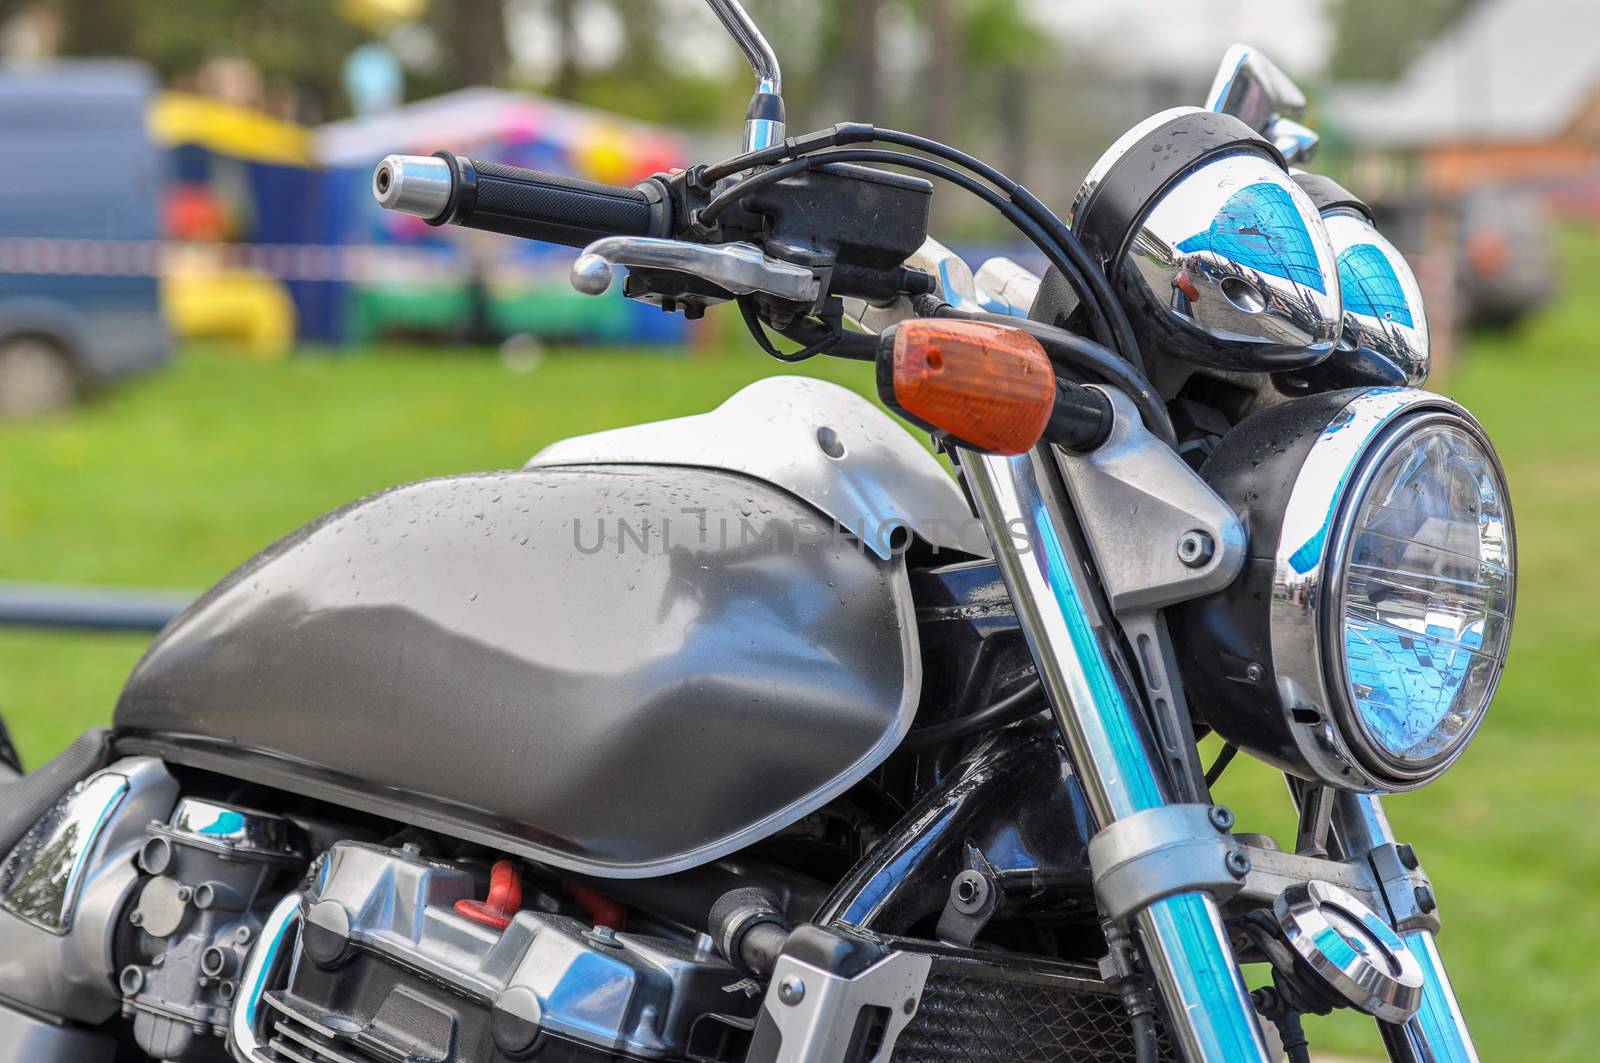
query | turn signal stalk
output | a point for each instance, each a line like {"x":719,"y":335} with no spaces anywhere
{"x":987,"y":387}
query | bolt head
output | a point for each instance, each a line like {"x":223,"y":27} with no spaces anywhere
{"x":792,"y":990}
{"x":603,"y":936}
{"x":1425,"y":899}
{"x":1221,"y":817}
{"x":1238,"y":864}
{"x":1254,"y":672}
{"x":1195,"y":548}
{"x":969,"y":892}
{"x":1407,"y":855}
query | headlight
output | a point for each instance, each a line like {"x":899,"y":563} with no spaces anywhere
{"x":1362,"y":644}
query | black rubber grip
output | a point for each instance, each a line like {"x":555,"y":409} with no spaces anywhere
{"x":547,"y":206}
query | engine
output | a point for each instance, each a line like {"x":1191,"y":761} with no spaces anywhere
{"x":216,"y":935}
{"x":150,"y":911}
{"x":397,"y":958}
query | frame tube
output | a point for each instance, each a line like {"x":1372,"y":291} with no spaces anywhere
{"x":1025,"y":508}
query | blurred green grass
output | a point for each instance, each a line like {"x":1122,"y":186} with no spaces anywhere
{"x":172,"y":480}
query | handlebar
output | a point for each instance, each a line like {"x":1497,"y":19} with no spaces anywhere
{"x":453,"y":189}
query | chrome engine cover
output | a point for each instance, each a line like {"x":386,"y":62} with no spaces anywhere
{"x":64,"y":885}
{"x":378,"y":934}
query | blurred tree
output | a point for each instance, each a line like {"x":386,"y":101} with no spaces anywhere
{"x":96,"y":27}
{"x":568,"y":73}
{"x":474,"y":37}
{"x":642,"y":81}
{"x":861,"y":24}
{"x":1374,"y":40}
{"x":1003,"y":45}
{"x":942,"y":69}
{"x":298,"y":43}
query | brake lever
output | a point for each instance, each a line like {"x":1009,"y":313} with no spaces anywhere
{"x":737,"y":268}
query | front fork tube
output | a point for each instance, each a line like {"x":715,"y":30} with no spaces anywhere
{"x":1438,"y":1032}
{"x":1037,"y":546}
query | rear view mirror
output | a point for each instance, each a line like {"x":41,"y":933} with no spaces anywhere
{"x":1254,"y":90}
{"x":1250,"y":87}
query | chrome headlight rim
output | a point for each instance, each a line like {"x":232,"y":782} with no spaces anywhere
{"x":1312,"y":552}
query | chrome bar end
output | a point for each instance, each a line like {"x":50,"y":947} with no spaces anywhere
{"x":420,"y":185}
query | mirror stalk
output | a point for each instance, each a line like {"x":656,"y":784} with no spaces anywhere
{"x":764,"y":123}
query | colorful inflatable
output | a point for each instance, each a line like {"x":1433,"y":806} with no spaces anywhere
{"x":413,"y":279}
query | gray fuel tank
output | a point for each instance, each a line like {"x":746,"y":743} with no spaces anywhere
{"x":635,"y":656}
{"x":575,"y":664}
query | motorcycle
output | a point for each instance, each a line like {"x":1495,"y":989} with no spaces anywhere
{"x":756,"y":736}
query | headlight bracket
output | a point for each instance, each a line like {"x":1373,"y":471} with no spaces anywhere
{"x":1159,"y":534}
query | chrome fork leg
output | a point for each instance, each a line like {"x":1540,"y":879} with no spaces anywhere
{"x":1438,"y":1032}
{"x":1025,"y":508}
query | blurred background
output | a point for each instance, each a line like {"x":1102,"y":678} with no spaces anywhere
{"x":210,"y":335}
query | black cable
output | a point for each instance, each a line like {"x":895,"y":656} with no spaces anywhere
{"x":1099,"y":323}
{"x":1122,"y":328}
{"x":1220,"y":765}
{"x":1085,"y":354}
{"x":855,"y":346}
{"x":1146,"y":1045}
{"x":1273,"y":1005}
{"x":1013,"y":707}
{"x":752,"y":321}
{"x":1087,"y":278}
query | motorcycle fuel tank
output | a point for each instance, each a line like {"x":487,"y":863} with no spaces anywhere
{"x":622,"y":670}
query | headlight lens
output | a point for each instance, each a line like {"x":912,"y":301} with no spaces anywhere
{"x":1423,"y":594}
{"x":1361,"y":645}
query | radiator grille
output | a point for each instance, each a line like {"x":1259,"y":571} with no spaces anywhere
{"x":969,"y":1017}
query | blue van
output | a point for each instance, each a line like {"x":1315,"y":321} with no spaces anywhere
{"x":80,"y":202}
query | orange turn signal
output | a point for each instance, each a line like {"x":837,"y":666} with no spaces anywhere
{"x":988,"y":386}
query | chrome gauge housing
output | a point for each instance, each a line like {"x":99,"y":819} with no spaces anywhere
{"x":1363,"y":641}
{"x":1218,"y":256}
{"x":1384,"y":339}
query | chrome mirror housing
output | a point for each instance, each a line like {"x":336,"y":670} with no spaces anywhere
{"x":1218,"y":256}
{"x":1256,"y":91}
